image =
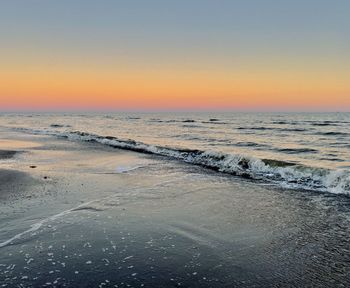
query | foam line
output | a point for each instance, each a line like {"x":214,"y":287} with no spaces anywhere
{"x":36,"y":226}
{"x":285,"y":174}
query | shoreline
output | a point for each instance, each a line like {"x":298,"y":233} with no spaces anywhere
{"x":286,"y":174}
{"x":104,"y":214}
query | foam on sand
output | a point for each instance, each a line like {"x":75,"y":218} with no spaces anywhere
{"x":36,"y":226}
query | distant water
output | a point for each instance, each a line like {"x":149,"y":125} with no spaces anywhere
{"x":294,"y":150}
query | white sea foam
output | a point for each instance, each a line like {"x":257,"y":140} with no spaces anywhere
{"x":36,"y":226}
{"x":286,"y":174}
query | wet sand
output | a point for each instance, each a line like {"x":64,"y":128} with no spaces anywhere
{"x":83,"y":215}
{"x":6,"y":154}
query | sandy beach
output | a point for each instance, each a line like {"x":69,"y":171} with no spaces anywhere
{"x":175,"y":144}
{"x":82,"y":214}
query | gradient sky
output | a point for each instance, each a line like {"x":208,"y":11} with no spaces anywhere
{"x":183,"y":54}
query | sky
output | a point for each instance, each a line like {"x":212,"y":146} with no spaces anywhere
{"x":175,"y":55}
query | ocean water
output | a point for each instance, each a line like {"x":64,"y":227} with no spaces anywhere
{"x":294,"y":150}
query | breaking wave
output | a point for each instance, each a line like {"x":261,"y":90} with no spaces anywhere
{"x":286,"y":174}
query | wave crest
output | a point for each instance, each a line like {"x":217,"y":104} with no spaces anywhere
{"x":286,"y":174}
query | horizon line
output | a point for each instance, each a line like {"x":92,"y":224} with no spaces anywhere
{"x":189,"y":110}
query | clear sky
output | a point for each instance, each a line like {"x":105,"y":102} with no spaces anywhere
{"x":183,"y":54}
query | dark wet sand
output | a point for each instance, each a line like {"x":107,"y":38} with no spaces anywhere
{"x":89,"y":216}
{"x":6,"y":154}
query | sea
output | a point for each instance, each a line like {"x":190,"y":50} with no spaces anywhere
{"x":175,"y":199}
{"x":305,"y":151}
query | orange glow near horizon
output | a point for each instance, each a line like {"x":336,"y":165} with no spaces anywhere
{"x":128,"y":88}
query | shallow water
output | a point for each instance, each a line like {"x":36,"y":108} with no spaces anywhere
{"x":105,"y":217}
{"x":296,"y":150}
